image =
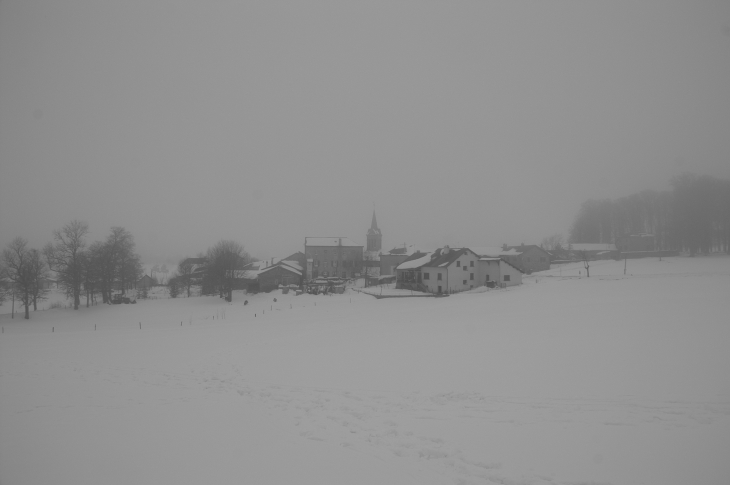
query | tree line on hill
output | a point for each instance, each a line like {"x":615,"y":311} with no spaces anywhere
{"x":693,"y":216}
{"x":81,"y":269}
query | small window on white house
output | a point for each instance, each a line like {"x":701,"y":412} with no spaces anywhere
{"x":425,"y":276}
{"x":471,"y":276}
{"x":471,"y":264}
{"x":438,"y":277}
{"x":458,"y":264}
{"x":464,"y":282}
{"x":464,"y":267}
{"x":506,"y":277}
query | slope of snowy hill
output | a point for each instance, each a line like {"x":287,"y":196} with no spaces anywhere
{"x":612,"y":379}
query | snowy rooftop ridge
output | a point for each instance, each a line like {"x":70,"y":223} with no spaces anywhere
{"x":492,"y":251}
{"x":415,"y":263}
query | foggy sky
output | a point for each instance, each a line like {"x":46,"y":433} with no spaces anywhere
{"x":468,"y":122}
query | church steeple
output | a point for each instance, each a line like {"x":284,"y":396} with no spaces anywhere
{"x":374,"y":226}
{"x":374,"y":237}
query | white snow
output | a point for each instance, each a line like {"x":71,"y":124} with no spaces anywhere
{"x":612,"y":379}
{"x":415,"y":263}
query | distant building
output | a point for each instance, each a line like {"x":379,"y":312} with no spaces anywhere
{"x":145,"y":282}
{"x":268,"y":274}
{"x":448,"y":270}
{"x":593,"y":251}
{"x":282,"y":273}
{"x":636,"y":242}
{"x":390,"y":260}
{"x":332,"y":256}
{"x":529,"y":258}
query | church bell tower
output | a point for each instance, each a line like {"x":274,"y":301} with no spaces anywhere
{"x":374,"y":237}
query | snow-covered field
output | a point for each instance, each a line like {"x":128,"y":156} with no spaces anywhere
{"x":610,"y":379}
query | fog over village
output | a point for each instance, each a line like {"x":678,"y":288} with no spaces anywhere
{"x":326,"y":242}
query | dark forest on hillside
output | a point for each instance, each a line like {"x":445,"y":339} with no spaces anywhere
{"x":694,"y":216}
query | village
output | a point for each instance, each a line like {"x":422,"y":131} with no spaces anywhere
{"x":329,"y":264}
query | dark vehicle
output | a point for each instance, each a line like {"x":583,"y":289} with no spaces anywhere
{"x":117,"y":299}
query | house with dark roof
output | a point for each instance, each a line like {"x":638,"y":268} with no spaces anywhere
{"x":529,"y":257}
{"x":390,"y":260}
{"x":268,"y":274}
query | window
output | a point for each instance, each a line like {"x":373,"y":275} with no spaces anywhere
{"x":464,"y":282}
{"x":439,"y":278}
{"x":458,"y":264}
{"x":464,"y":267}
{"x":471,"y":264}
{"x":471,"y":276}
{"x":425,"y":276}
{"x":439,"y":288}
{"x":506,"y":277}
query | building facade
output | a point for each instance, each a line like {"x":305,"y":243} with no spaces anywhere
{"x":332,"y":257}
{"x":449,"y":270}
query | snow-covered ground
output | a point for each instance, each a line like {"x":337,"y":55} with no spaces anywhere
{"x":610,"y":379}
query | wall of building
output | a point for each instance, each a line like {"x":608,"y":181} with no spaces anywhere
{"x":515,"y":276}
{"x":327,"y":259}
{"x":388,"y":263}
{"x":433,"y":282}
{"x":271,"y":280}
{"x":490,"y":271}
{"x":465,"y":276}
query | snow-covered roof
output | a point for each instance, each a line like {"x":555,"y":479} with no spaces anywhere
{"x":246,"y":274}
{"x":330,"y":241}
{"x":293,"y":264}
{"x":493,"y":251}
{"x":283,"y":266}
{"x":415,"y":263}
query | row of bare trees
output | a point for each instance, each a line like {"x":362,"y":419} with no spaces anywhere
{"x":96,"y":269}
{"x":693,"y":216}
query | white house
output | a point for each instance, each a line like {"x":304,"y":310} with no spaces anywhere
{"x":448,"y":270}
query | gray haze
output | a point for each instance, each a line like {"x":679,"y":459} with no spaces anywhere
{"x":265,"y":122}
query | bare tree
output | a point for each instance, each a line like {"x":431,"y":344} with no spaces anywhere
{"x":4,"y":283}
{"x":39,"y":272}
{"x":114,"y":264}
{"x":223,"y":259}
{"x":185,"y":274}
{"x":65,"y":257}
{"x":584,"y":256}
{"x":17,"y":260}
